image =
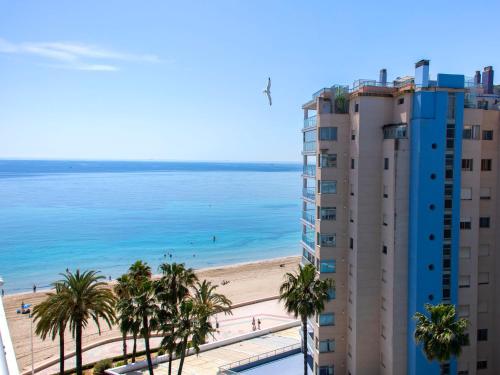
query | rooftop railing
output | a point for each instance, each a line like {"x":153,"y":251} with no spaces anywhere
{"x":226,"y":369}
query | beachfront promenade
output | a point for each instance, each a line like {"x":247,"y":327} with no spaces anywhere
{"x":247,"y":282}
{"x":271,"y":313}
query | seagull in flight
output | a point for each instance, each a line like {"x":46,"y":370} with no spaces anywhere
{"x":267,"y":91}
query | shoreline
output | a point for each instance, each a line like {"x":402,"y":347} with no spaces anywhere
{"x":158,"y":275}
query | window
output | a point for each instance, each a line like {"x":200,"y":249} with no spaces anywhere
{"x":465,"y":223}
{"x":353,"y":134}
{"x":351,"y":189}
{"x":451,"y":105}
{"x":384,"y":275}
{"x":463,"y":311}
{"x":484,"y":250}
{"x":328,"y":134}
{"x":384,"y":249}
{"x":351,"y":243}
{"x":386,"y":194}
{"x":486,"y":164}
{"x":356,"y":107}
{"x":327,"y":240}
{"x":467,"y":165}
{"x":331,"y":294}
{"x":445,"y":369}
{"x":328,"y":187}
{"x":351,"y":216}
{"x":382,"y":331}
{"x":327,"y":266}
{"x":328,"y":213}
{"x":328,"y":160}
{"x":482,"y":365}
{"x":471,"y":132}
{"x":350,"y":269}
{"x":464,"y":281}
{"x":482,"y":334}
{"x":327,"y":319}
{"x":465,"y":252}
{"x":483,"y":278}
{"x":386,"y":163}
{"x":325,"y":370}
{"x":384,"y":219}
{"x":382,"y":303}
{"x":466,"y":193}
{"x":326,"y":346}
{"x":353,"y":163}
{"x":484,"y":222}
{"x":485,"y":193}
{"x":401,"y":101}
{"x":488,"y":135}
{"x":350,"y":296}
{"x":350,"y":324}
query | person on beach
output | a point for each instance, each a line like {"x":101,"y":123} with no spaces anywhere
{"x":253,"y":324}
{"x":258,"y":323}
{"x":3,"y":292}
{"x":34,"y":288}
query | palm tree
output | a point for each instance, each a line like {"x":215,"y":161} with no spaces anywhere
{"x":125,"y":312}
{"x":191,"y":323}
{"x":441,"y":334}
{"x":171,"y":289}
{"x":209,"y":302}
{"x":305,"y":296}
{"x":51,"y":318}
{"x":144,"y":303}
{"x":85,"y":298}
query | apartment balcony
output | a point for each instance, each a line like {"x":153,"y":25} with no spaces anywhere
{"x":308,"y":240}
{"x":310,"y":122}
{"x":309,"y":216}
{"x":309,"y":147}
{"x":309,"y":170}
{"x":309,"y":193}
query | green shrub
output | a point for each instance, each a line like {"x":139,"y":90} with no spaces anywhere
{"x":102,"y":365}
{"x":119,"y":363}
{"x":161,"y":351}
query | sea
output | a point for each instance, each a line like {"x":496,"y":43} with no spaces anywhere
{"x":104,"y":215}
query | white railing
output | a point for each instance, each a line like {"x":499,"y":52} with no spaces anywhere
{"x":257,"y":358}
{"x":8,"y":364}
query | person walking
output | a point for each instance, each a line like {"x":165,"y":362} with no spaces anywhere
{"x":253,"y":324}
{"x":258,"y":323}
{"x":34,"y":288}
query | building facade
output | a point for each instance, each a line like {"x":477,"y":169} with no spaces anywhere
{"x":399,"y":208}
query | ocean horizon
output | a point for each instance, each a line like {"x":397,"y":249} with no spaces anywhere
{"x":104,"y":215}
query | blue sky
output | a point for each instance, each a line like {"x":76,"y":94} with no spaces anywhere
{"x":178,"y":80}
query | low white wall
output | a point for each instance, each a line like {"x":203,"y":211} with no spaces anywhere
{"x":213,"y":345}
{"x":8,"y":364}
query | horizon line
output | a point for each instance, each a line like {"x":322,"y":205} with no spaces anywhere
{"x":151,"y":160}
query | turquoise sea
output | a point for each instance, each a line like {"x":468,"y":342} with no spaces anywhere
{"x":105,"y":215}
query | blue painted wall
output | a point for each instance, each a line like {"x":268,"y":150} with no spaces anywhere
{"x":428,"y":126}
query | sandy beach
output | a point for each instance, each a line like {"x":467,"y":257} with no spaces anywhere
{"x":247,"y":281}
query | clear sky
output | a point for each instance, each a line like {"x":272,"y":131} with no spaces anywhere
{"x":183,"y":80}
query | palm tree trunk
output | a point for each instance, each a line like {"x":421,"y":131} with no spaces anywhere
{"x":304,"y":342}
{"x":61,"y":349}
{"x":134,"y":348}
{"x":146,"y":343}
{"x":79,"y":370}
{"x":183,"y":355}
{"x":124,"y":337}
{"x":169,"y":362}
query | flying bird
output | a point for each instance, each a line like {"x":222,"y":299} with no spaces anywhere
{"x":267,"y":91}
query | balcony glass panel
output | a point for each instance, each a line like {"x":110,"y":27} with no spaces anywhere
{"x":309,"y":216}
{"x":309,"y":192}
{"x":308,"y":239}
{"x":310,"y":146}
{"x":310,"y":170}
{"x":310,"y":122}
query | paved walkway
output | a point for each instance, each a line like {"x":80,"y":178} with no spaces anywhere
{"x":271,"y":313}
{"x":208,"y":363}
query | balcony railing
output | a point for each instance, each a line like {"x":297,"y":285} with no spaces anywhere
{"x":310,"y":146}
{"x":310,"y":122}
{"x":308,"y":240}
{"x":309,"y":216}
{"x":309,"y":192}
{"x":309,"y":170}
